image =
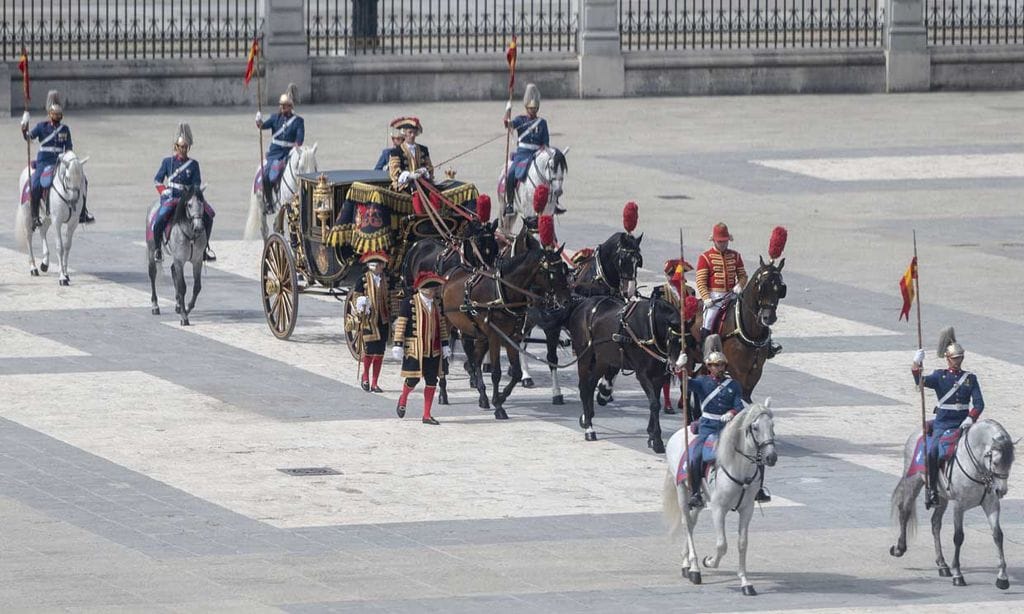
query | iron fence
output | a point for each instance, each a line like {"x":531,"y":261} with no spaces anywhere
{"x":126,"y":29}
{"x":975,"y":22}
{"x":744,"y":24}
{"x":343,"y":27}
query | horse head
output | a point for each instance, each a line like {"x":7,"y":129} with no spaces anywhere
{"x":552,"y":165}
{"x":665,"y":324}
{"x":764,"y":290}
{"x":71,"y":175}
{"x":552,"y":279}
{"x":303,"y":159}
{"x":480,"y":242}
{"x":190,"y":205}
{"x":752,"y":435}
{"x":624,"y":259}
{"x":991,"y":450}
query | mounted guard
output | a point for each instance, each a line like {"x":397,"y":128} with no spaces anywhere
{"x":372,"y":300}
{"x":409,"y":160}
{"x":396,"y":137}
{"x":532,"y":135}
{"x":288,"y":131}
{"x":672,"y":292}
{"x":421,"y":341}
{"x":177,"y":172}
{"x":959,"y":402}
{"x":54,"y":139}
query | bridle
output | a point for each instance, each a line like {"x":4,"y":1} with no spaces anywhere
{"x":757,"y":459}
{"x":986,"y":475}
{"x":74,"y":193}
{"x":760,"y":303}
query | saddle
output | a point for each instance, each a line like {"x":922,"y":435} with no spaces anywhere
{"x":948,"y":442}
{"x":719,"y":323}
{"x":682,"y":472}
{"x":275,"y":172}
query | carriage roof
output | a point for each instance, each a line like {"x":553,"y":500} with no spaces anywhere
{"x":342,"y":177}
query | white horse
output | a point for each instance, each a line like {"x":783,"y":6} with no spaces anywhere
{"x":745,"y":446}
{"x":976,"y":475}
{"x":301,"y":160}
{"x":548,"y":167}
{"x":66,"y":194}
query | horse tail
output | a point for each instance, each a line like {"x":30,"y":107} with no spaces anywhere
{"x":670,"y":509}
{"x":254,"y":222}
{"x":902,"y":502}
{"x":22,"y":225}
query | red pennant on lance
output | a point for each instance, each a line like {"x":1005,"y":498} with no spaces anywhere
{"x":23,"y":68}
{"x":907,"y":289}
{"x":511,"y":56}
{"x":250,"y":66}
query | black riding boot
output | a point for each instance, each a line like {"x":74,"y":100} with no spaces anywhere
{"x":208,"y":255}
{"x":268,"y":195}
{"x":696,"y":496}
{"x":763,"y":495}
{"x":931,"y":493}
{"x":84,"y":217}
{"x":158,"y":251}
{"x":510,"y":196}
{"x":773,"y":348}
{"x":36,"y":220}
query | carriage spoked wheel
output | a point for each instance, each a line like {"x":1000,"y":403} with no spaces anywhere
{"x":280,"y":288}
{"x":351,"y":336}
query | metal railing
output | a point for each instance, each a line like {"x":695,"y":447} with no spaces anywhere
{"x":402,"y":27}
{"x":974,"y":22}
{"x":745,"y":24}
{"x":126,"y":29}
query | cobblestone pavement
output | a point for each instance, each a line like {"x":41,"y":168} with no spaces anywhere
{"x":140,"y":461}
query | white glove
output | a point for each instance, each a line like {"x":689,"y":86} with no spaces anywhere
{"x":707,"y":304}
{"x":422,"y":172}
{"x":404,"y":177}
{"x":396,"y":352}
{"x":681,"y":361}
{"x":259,"y":117}
{"x":727,"y":417}
{"x":25,"y":118}
{"x":968,"y":421}
{"x":446,"y":351}
{"x":361,"y":304}
{"x":508,"y":106}
{"x":919,"y":357}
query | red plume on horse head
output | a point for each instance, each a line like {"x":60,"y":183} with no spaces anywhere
{"x":777,"y":242}
{"x":483,"y":208}
{"x":417,"y":205}
{"x":546,"y":230}
{"x":540,"y":198}
{"x":690,"y":305}
{"x":630,"y":215}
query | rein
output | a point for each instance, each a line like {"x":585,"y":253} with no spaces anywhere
{"x":661,"y":355}
{"x":987,"y":475}
{"x":757,"y":460}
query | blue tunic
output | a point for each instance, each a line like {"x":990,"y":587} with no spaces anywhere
{"x":951,"y":413}
{"x":177,"y":179}
{"x":286,"y":133}
{"x":729,"y":399}
{"x":54,"y":140}
{"x":531,"y":138}
{"x":382,"y":161}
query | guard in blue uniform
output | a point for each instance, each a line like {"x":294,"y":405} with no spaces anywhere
{"x":959,"y":402}
{"x":287,"y":131}
{"x":531,"y":134}
{"x":396,"y":139}
{"x":716,"y":399}
{"x":54,"y":139}
{"x":176,"y":173}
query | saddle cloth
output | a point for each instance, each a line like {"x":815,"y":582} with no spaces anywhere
{"x":682,"y":472}
{"x":723,"y":311}
{"x":947,"y":448}
{"x":276,"y":171}
{"x":46,"y":178}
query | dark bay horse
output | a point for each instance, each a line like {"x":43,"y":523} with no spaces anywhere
{"x":489,"y":306}
{"x":476,"y":248}
{"x":609,"y":335}
{"x":610,"y":270}
{"x":746,"y":326}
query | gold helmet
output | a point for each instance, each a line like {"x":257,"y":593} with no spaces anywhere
{"x":715,"y":358}
{"x":948,"y":346}
{"x":531,"y":98}
{"x":53,"y":104}
{"x":290,"y":95}
{"x":183,"y":137}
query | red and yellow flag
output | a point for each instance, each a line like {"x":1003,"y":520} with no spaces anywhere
{"x":23,"y":67}
{"x":250,"y":66}
{"x":907,"y":288}
{"x":510,"y":56}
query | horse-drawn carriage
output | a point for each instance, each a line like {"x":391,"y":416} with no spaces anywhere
{"x":337,"y":216}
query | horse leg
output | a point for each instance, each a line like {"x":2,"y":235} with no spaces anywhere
{"x":155,"y":304}
{"x":958,"y":541}
{"x":62,"y":270}
{"x":515,"y":372}
{"x":44,"y":266}
{"x":721,"y":545}
{"x":654,"y":441}
{"x":991,"y":506}
{"x":178,"y":274}
{"x":588,"y":382}
{"x":903,"y":503}
{"x":66,"y":253}
{"x":605,"y":387}
{"x":556,"y":390}
{"x":691,"y":565}
{"x":940,"y":560}
{"x":197,"y":284}
{"x":494,"y":351}
{"x":527,"y":379}
{"x":746,"y":512}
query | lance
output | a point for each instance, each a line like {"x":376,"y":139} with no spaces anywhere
{"x":683,"y":375}
{"x":920,"y":345}
{"x":25,"y":97}
{"x":259,"y":101}
{"x":511,"y":56}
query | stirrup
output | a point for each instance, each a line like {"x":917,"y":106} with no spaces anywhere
{"x":931,"y":498}
{"x":763,"y":495}
{"x":208,"y":254}
{"x":158,"y":254}
{"x":696,"y":501}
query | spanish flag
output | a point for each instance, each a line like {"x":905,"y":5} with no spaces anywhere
{"x":907,"y":288}
{"x":510,"y":56}
{"x":250,"y":66}
{"x":23,"y":67}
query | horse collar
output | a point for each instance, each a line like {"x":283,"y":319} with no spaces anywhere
{"x":742,"y":334}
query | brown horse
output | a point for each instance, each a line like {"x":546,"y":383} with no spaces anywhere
{"x":489,"y":306}
{"x":746,"y":329}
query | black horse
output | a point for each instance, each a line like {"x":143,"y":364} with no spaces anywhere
{"x":609,"y":270}
{"x":609,"y":335}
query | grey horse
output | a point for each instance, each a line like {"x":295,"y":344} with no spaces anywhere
{"x":186,"y":243}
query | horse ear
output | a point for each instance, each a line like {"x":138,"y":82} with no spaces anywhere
{"x":782,"y":263}
{"x":315,"y":145}
{"x":560,"y":249}
{"x":761,"y":258}
{"x":565,"y":151}
{"x":640,"y":238}
{"x":767,"y":402}
{"x":84,"y":160}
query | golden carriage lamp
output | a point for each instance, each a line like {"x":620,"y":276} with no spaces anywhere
{"x":323,"y":203}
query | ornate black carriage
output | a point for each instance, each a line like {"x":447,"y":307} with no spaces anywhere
{"x":336,"y":217}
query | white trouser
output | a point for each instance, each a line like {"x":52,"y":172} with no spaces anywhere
{"x":711,"y":312}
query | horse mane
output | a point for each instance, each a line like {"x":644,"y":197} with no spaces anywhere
{"x":181,"y":211}
{"x":1001,"y":440}
{"x":561,"y":163}
{"x":732,"y":434}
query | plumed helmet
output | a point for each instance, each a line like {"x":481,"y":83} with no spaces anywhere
{"x":715,"y":358}
{"x":720,"y":233}
{"x":483,"y":208}
{"x":183,"y":135}
{"x":290,"y":95}
{"x":531,"y":97}
{"x":713,"y":347}
{"x":948,"y":346}
{"x":53,"y":104}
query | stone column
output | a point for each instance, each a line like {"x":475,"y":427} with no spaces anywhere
{"x":602,"y":68}
{"x":284,"y":48}
{"x":908,"y":63}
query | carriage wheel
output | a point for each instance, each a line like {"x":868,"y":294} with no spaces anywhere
{"x":280,"y":288}
{"x":351,"y":337}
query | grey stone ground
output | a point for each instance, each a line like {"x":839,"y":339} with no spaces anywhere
{"x":95,"y":520}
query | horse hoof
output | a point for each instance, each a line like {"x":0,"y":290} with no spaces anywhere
{"x":499,"y":414}
{"x":44,"y":267}
{"x":484,"y":404}
{"x":694,"y":577}
{"x":944,"y":572}
{"x":558,"y":400}
{"x":749,"y":591}
{"x":34,"y":272}
{"x":590,"y":436}
{"x":155,"y":311}
{"x":177,"y":309}
{"x":896,"y":552}
{"x":602,"y":401}
{"x":528,"y":383}
{"x":64,"y":282}
{"x":959,"y":581}
{"x":1002,"y":583}
{"x":656,"y":444}
{"x":185,"y":323}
